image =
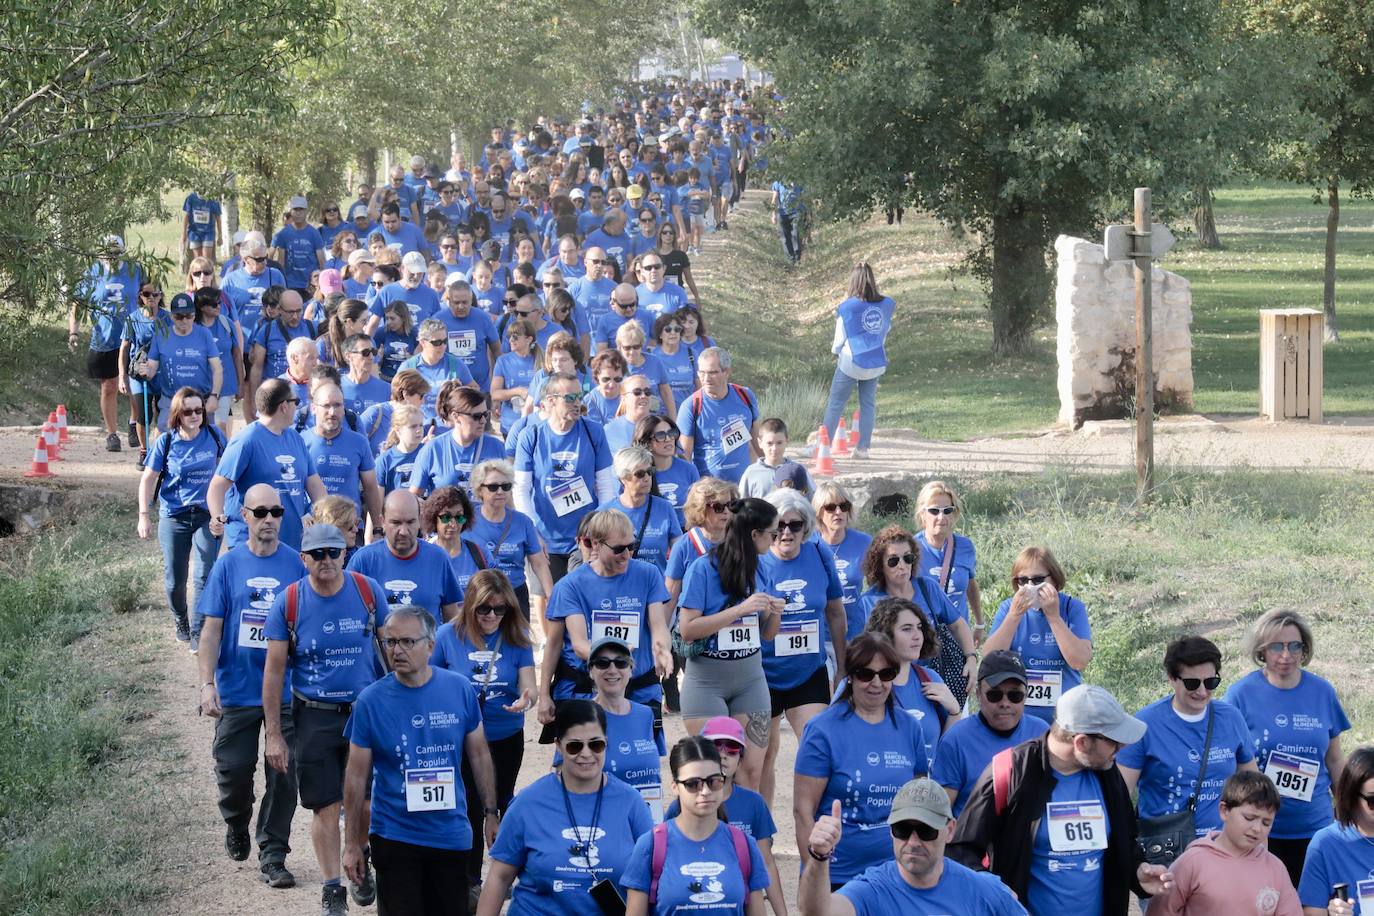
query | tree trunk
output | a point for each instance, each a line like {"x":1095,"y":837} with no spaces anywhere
{"x":1333,"y":222}
{"x":1204,"y":220}
{"x":367,"y":167}
{"x":1020,"y":284}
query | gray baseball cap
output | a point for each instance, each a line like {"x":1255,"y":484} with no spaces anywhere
{"x":1090,"y":710}
{"x":605,"y":641}
{"x":321,"y":535}
{"x":923,"y":800}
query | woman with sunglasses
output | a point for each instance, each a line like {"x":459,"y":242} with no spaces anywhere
{"x":447,"y":515}
{"x":673,"y":476}
{"x":448,"y":459}
{"x":652,"y":517}
{"x":513,"y":372}
{"x":920,"y":692}
{"x":141,"y":325}
{"x":678,"y":267}
{"x":188,"y":357}
{"x":489,"y":644}
{"x":1342,"y":853}
{"x":608,"y":372}
{"x":509,"y":536}
{"x":834,"y":514}
{"x":341,"y":247}
{"x":859,"y":752}
{"x":177,"y":474}
{"x":636,"y":403}
{"x":675,"y":358}
{"x":1047,"y":628}
{"x":698,"y":859}
{"x":568,"y":830}
{"x":1296,"y":720}
{"x":210,"y":306}
{"x":400,"y":448}
{"x":1183,"y":728}
{"x":397,"y":341}
{"x":634,"y":746}
{"x":629,"y":340}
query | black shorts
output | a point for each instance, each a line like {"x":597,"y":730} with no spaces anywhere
{"x":815,"y":689}
{"x":321,"y":753}
{"x":102,"y":364}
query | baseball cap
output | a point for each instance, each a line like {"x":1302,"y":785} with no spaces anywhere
{"x":584,"y":140}
{"x":577,"y":194}
{"x":454,"y":276}
{"x":432,"y":171}
{"x":923,"y":800}
{"x":634,"y":192}
{"x":723,"y":728}
{"x":360,"y":256}
{"x":299,"y":203}
{"x":1002,"y":665}
{"x":330,"y":282}
{"x":1090,"y":710}
{"x":790,"y":474}
{"x":413,"y":263}
{"x":322,"y":535}
{"x":605,"y":641}
{"x":358,"y":209}
{"x":181,"y":304}
{"x":112,"y":241}
{"x":240,"y":236}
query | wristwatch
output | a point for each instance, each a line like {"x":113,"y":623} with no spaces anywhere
{"x":491,"y":810}
{"x":812,"y":853}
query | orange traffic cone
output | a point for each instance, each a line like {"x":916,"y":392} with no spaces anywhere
{"x":62,"y":437}
{"x":50,"y":438}
{"x":841,"y":445}
{"x":39,"y":467}
{"x":854,"y":431}
{"x":825,"y":465}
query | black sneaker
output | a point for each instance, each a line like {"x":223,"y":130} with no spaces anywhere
{"x":142,"y":458}
{"x":184,"y":635}
{"x":364,"y":894}
{"x":238,"y":845}
{"x":334,"y":900}
{"x":112,"y":442}
{"x":133,"y":434}
{"x":274,"y":874}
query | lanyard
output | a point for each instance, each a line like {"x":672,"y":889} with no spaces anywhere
{"x":583,"y":845}
{"x":491,"y":668}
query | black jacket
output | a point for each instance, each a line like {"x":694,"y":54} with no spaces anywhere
{"x":1008,"y":839}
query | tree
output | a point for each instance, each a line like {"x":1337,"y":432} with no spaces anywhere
{"x":1015,"y":120}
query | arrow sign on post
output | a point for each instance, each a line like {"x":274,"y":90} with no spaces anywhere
{"x":1117,"y":241}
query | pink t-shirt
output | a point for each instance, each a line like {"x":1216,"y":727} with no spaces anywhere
{"x":1209,"y":881}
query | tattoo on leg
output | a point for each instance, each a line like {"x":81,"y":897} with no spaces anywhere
{"x":757,"y":728}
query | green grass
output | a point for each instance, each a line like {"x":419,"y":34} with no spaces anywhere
{"x":943,"y":380}
{"x":75,"y":831}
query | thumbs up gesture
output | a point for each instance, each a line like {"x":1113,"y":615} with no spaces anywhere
{"x":825,"y":836}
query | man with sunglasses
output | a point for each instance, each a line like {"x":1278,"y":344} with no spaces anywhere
{"x":656,"y":296}
{"x":971,"y":743}
{"x":246,"y":284}
{"x":322,"y":634}
{"x":414,"y":572}
{"x":611,"y":238}
{"x":1054,"y":819}
{"x":624,"y":308}
{"x":361,"y":386}
{"x":919,"y":880}
{"x":592,"y":291}
{"x":472,"y":335}
{"x":242,"y":587}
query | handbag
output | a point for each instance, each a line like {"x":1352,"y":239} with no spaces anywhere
{"x":1160,"y":840}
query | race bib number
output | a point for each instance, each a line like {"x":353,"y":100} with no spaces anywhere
{"x":672,"y":280}
{"x":800,"y":638}
{"x":200,"y":217}
{"x":741,"y":635}
{"x":653,"y":797}
{"x":1042,"y":687}
{"x":1364,"y":890}
{"x":430,"y":789}
{"x":569,"y":496}
{"x":1294,"y":777}
{"x":1077,"y":826}
{"x":462,"y":343}
{"x":733,"y":435}
{"x":618,"y":625}
{"x":252,"y":629}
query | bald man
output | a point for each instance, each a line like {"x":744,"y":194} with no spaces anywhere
{"x":413,"y":571}
{"x":341,"y":457}
{"x":624,"y":304}
{"x":301,"y":357}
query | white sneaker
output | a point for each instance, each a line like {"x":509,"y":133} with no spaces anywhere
{"x":861,"y":454}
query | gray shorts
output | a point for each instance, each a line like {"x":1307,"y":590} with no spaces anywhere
{"x":724,"y":687}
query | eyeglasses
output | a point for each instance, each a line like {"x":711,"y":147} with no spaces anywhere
{"x":365,"y":351}
{"x":565,"y":398}
{"x":795,"y":526}
{"x":319,"y":553}
{"x":501,"y":487}
{"x":451,"y":518}
{"x":641,"y":473}
{"x":902,"y":831}
{"x":403,"y":642}
{"x":1193,"y":683}
{"x":574,"y":747}
{"x":694,"y":784}
{"x":907,"y":558}
{"x":718,"y":508}
{"x":1019,"y":581}
{"x":620,"y":549}
{"x":864,"y":675}
{"x":941,"y":510}
{"x":192,"y":411}
{"x":602,"y":662}
{"x":728,"y":748}
{"x":995,"y":695}
{"x":478,"y":417}
{"x":1294,"y":647}
{"x":202,"y":273}
{"x":264,"y":511}
{"x":492,"y":610}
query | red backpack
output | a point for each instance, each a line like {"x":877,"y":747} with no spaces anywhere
{"x":661,"y":855}
{"x":293,"y":606}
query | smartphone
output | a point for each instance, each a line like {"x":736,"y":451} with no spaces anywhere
{"x":607,"y":898}
{"x":1340,"y":892}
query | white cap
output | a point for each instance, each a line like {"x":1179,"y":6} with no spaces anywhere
{"x":454,"y":276}
{"x":299,"y":203}
{"x":112,"y":241}
{"x":577,"y":194}
{"x":240,"y":236}
{"x":413,"y":263}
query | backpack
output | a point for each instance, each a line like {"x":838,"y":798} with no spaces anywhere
{"x":739,"y":390}
{"x":293,"y":606}
{"x":1001,"y":780}
{"x":661,"y":855}
{"x":162,"y":474}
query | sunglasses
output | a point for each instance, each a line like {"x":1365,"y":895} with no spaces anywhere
{"x":641,"y":473}
{"x":498,"y":487}
{"x":600,"y":261}
{"x":202,"y":273}
{"x":672,"y":329}
{"x":451,"y":518}
{"x":864,"y":675}
{"x":565,"y":398}
{"x":663,"y":436}
{"x":1294,"y":647}
{"x":148,"y":295}
{"x":728,"y":748}
{"x":622,"y":305}
{"x":574,"y":747}
{"x":365,"y":351}
{"x":1368,"y":799}
{"x":478,"y":417}
{"x":378,"y":283}
{"x":319,"y":553}
{"x":438,"y":342}
{"x":509,"y":302}
{"x":192,"y":411}
{"x":694,"y":784}
{"x":941,"y":510}
{"x":249,"y":257}
{"x":1019,"y":581}
{"x":902,"y":831}
{"x":907,"y":558}
{"x":183,"y":316}
{"x":995,"y":695}
{"x":1193,"y":683}
{"x":492,"y":610}
{"x":264,"y":511}
{"x":718,"y":508}
{"x":602,"y":662}
{"x":794,"y":526}
{"x":619,"y":549}
{"x":608,"y":379}
{"x":845,"y":507}
{"x":652,"y":266}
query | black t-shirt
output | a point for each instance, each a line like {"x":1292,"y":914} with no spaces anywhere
{"x":674,"y":263}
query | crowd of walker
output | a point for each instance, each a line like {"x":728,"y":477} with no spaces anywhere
{"x":492,"y":467}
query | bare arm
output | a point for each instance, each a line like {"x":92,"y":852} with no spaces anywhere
{"x":658,"y":628}
{"x":315,"y":487}
{"x":807,"y":792}
{"x":576,"y":626}
{"x":355,"y":818}
{"x":500,"y":877}
{"x":484,"y":774}
{"x":553,"y":648}
{"x":274,"y":673}
{"x":1335,"y":759}
{"x":665,"y":395}
{"x":256,"y":356}
{"x":372,"y":500}
{"x":836,"y":620}
{"x":1130,"y":776}
{"x":539,"y":562}
{"x":210,"y":632}
{"x":774,"y":891}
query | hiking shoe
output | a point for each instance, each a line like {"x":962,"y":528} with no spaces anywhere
{"x":133,"y":434}
{"x":184,"y":635}
{"x":142,"y":458}
{"x":238,"y":845}
{"x":112,"y":442}
{"x":363,"y":894}
{"x":274,"y":874}
{"x":334,"y":900}
{"x":861,"y":454}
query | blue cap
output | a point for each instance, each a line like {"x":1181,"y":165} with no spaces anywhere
{"x":182,"y":303}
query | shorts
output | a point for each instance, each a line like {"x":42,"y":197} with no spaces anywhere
{"x":723,"y":686}
{"x":223,"y":408}
{"x":321,"y":754}
{"x":815,"y":689}
{"x":696,"y":220}
{"x":558,"y":568}
{"x":725,"y":188}
{"x":102,"y":365}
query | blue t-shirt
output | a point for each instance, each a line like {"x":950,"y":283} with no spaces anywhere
{"x":599,"y":409}
{"x":604,"y":328}
{"x":1298,"y":722}
{"x":407,"y":238}
{"x":864,"y":765}
{"x":110,"y":297}
{"x":469,"y":338}
{"x":241,"y":590}
{"x":1034,"y":641}
{"x":417,"y":774}
{"x":515,"y":371}
{"x":881,"y":891}
{"x":928,"y":714}
{"x":693,"y":544}
{"x":204,"y":218}
{"x":674,"y":483}
{"x":619,"y":433}
{"x":564,"y":466}
{"x":680,"y":371}
{"x":185,"y":360}
{"x":258,"y":455}
{"x":465,"y":565}
{"x":394,"y":467}
{"x":610,"y":606}
{"x":225,"y":341}
{"x":652,"y":370}
{"x":663,"y":302}
{"x":490,"y":299}
{"x":186,"y":467}
{"x":702,"y":591}
{"x":422,"y":301}
{"x":925,"y":595}
{"x":634,"y":754}
{"x":423,"y":579}
{"x":654,"y":533}
{"x":450,"y":367}
{"x":336,"y":650}
{"x":359,"y":397}
{"x":746,"y":809}
{"x":617,"y":247}
{"x":245,"y":291}
{"x":301,"y":249}
{"x":340,"y":461}
{"x":697,"y":876}
{"x":962,"y":568}
{"x":140,"y":331}
{"x":375,"y":424}
{"x":443,"y":462}
{"x":721,"y":431}
{"x":848,"y":555}
{"x":493,"y":668}
{"x":593,"y":297}
{"x":807,"y":582}
{"x":1070,"y":881}
{"x":1336,"y":855}
{"x":508,"y":542}
{"x":274,"y":337}
{"x":537,"y":839}
{"x":1170,"y":755}
{"x":395,"y":348}
{"x":969,"y":746}
{"x":590,"y":222}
